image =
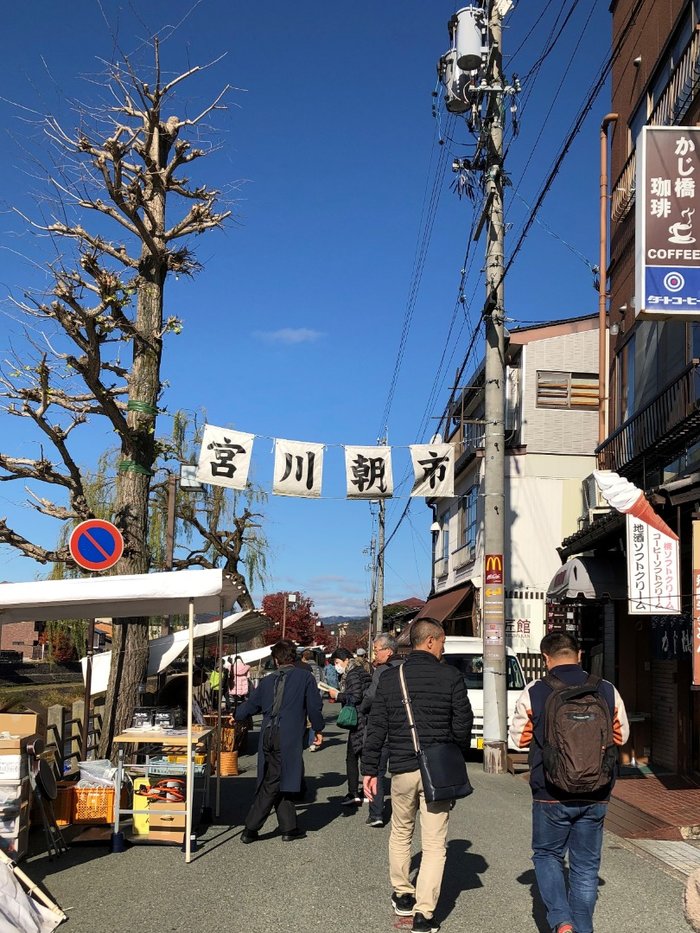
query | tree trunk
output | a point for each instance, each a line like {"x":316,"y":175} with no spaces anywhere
{"x":130,"y":639}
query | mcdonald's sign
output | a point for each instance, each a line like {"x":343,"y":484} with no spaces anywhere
{"x":493,"y":568}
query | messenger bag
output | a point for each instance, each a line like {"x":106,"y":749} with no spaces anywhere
{"x":443,"y":769}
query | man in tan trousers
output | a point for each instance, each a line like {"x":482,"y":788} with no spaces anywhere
{"x":442,"y":713}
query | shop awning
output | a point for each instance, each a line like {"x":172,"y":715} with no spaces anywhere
{"x":589,"y":578}
{"x":441,"y":606}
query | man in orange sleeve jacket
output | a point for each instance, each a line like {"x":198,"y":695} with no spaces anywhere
{"x":567,"y":819}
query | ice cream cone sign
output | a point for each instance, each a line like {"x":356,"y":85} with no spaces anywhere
{"x":629,"y":499}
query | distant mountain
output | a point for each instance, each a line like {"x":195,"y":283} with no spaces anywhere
{"x":341,"y":620}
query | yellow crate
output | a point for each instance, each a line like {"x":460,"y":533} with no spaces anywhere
{"x":182,"y":759}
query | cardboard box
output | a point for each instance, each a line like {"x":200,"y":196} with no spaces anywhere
{"x":162,"y":821}
{"x":23,"y":728}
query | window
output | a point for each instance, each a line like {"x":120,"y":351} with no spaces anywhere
{"x":567,"y":390}
{"x":445,"y":536}
{"x":471,"y":667}
{"x":467,"y":519}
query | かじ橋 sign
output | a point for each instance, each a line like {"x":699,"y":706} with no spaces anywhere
{"x":668,"y":222}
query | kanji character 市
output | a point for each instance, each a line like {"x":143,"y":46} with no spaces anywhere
{"x":660,"y":207}
{"x":684,"y":146}
{"x":661,"y":187}
{"x":434,"y":469}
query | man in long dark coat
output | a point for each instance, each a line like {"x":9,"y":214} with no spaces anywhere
{"x":286,"y":699}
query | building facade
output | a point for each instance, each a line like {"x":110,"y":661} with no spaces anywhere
{"x":653,"y":411}
{"x":551,"y":424}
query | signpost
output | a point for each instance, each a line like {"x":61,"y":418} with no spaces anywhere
{"x":652,"y":570}
{"x":96,"y":545}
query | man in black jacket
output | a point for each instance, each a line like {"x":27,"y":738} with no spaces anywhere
{"x":442,"y":713}
{"x":384,"y":656}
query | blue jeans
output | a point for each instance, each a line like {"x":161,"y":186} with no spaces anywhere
{"x":557,"y":827}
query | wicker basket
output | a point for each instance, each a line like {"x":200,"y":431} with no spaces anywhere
{"x":93,"y":805}
{"x":228,"y":764}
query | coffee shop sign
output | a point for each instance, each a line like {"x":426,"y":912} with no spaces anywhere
{"x":667,"y":262}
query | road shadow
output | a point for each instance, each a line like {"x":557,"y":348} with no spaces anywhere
{"x":463,"y":870}
{"x":539,"y":911}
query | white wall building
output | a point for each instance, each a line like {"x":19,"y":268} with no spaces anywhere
{"x":551,"y":435}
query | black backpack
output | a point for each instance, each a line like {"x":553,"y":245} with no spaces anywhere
{"x":579,"y":751}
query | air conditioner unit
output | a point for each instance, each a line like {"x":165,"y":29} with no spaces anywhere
{"x":592,"y":498}
{"x":594,"y":505}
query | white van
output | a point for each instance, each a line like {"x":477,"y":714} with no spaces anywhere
{"x":467,"y":655}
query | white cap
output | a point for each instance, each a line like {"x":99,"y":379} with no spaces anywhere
{"x":360,"y":652}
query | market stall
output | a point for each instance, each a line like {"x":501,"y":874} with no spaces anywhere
{"x":132,"y":596}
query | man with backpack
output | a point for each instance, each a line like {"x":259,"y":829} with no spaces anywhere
{"x":573,"y":723}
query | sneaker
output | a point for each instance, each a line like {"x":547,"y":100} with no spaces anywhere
{"x":375,"y":821}
{"x":421,"y":924}
{"x":312,"y":748}
{"x":564,"y":928}
{"x":403,"y":904}
{"x":349,"y":800}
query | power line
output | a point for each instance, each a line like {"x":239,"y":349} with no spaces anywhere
{"x":573,"y":133}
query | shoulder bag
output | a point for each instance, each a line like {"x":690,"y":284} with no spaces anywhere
{"x":347,"y":717}
{"x":443,"y":769}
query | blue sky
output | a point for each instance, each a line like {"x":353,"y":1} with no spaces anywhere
{"x":327,"y":150}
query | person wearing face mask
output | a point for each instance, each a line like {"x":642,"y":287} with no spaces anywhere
{"x":354,"y":681}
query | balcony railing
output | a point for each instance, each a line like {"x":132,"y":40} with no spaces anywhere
{"x":660,"y":431}
{"x":670,"y":109}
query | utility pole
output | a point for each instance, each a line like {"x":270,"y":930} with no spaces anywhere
{"x":379,"y":616}
{"x":493,"y":586}
{"x":474,"y":86}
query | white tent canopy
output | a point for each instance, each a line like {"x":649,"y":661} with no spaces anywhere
{"x":124,"y":597}
{"x":130,"y":597}
{"x":163,"y":651}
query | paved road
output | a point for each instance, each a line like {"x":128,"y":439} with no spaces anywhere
{"x":335,"y":881}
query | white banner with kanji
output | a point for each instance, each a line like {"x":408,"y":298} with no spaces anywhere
{"x":368,"y":472}
{"x":298,"y":469}
{"x":653,"y":572}
{"x":224,"y":457}
{"x":433,"y":470}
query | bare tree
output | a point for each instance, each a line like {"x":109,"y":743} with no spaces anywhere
{"x":127,"y":209}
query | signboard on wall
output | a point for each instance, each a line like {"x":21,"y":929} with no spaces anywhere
{"x":653,"y":571}
{"x":667,"y":261}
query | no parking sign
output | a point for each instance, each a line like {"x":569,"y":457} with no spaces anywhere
{"x":96,"y":544}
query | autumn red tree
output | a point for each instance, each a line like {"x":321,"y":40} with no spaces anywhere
{"x":300,"y":622}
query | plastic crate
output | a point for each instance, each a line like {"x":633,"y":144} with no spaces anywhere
{"x":161,"y":765}
{"x":93,"y":804}
{"x":63,"y":804}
